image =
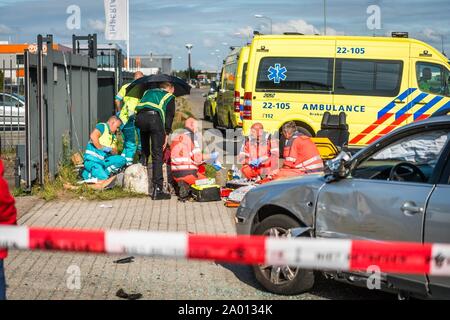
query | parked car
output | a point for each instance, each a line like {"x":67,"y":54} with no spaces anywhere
{"x":396,"y":189}
{"x":12,"y":112}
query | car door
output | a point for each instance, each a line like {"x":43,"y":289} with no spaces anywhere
{"x":368,"y":205}
{"x":437,"y":225}
{"x":9,"y":111}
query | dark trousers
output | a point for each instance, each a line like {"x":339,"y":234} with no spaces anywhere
{"x":152,"y":129}
{"x":2,"y":282}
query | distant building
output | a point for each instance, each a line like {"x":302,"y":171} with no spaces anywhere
{"x":12,"y":60}
{"x":107,"y":55}
{"x":152,"y":64}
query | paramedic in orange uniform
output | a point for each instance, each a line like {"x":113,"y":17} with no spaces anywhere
{"x":186,"y":156}
{"x":300,"y":153}
{"x":259,"y":154}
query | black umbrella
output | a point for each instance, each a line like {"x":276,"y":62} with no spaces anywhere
{"x":137,"y":88}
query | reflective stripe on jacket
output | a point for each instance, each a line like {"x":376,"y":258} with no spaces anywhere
{"x":186,"y":154}
{"x":253,"y":150}
{"x":157,"y":100}
{"x":107,"y":139}
{"x":301,"y":153}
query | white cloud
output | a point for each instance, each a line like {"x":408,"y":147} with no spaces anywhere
{"x":5,"y":29}
{"x":209,"y":43}
{"x":431,"y":34}
{"x":96,"y":25}
{"x":165,"y":32}
{"x":301,"y":26}
{"x":245,"y":32}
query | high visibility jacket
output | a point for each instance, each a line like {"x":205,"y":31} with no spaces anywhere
{"x":129,"y":103}
{"x":302,"y":154}
{"x":8,"y":212}
{"x":107,"y":139}
{"x":186,"y":154}
{"x":157,"y":100}
{"x":264,"y":150}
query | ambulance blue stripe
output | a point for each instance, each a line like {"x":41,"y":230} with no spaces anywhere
{"x":444,"y":107}
{"x":427,"y":107}
{"x":391,"y":105}
{"x":410,"y":105}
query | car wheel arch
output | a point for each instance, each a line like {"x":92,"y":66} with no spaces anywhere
{"x":272,"y":210}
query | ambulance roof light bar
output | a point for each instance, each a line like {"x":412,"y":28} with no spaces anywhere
{"x":400,"y":35}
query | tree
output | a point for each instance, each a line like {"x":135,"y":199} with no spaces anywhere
{"x":184,"y":74}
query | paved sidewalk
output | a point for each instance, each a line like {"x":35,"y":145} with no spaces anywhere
{"x":38,"y":275}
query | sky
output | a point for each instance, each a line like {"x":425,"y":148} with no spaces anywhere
{"x":164,"y":27}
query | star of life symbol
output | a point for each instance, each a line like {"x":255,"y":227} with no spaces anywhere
{"x":277,"y":73}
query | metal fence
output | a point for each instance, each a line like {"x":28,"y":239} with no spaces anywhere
{"x":12,"y":103}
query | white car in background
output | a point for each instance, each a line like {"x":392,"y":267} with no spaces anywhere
{"x":12,"y":112}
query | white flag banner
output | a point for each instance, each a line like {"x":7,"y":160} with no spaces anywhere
{"x":116,"y":20}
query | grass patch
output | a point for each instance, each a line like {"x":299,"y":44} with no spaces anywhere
{"x":55,"y":190}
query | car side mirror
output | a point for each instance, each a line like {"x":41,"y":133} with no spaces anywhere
{"x":338,"y":168}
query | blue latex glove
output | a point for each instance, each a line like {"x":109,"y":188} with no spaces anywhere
{"x":256,"y":163}
{"x":217,"y":166}
{"x":107,"y":149}
{"x":213,"y":156}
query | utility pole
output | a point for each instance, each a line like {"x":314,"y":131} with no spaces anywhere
{"x":189,"y":48}
{"x":325,"y":17}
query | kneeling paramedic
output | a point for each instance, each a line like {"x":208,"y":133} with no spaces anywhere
{"x":155,"y":114}
{"x":126,"y":109}
{"x":101,"y":158}
{"x":186,"y":157}
{"x":300,"y":153}
{"x":259,"y":154}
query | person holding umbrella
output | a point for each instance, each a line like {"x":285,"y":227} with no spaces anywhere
{"x":155,"y":114}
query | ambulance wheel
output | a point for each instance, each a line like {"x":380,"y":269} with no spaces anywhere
{"x":206,"y":116}
{"x":215,"y":121}
{"x":281,"y":280}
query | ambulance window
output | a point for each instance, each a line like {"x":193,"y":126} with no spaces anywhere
{"x":295,"y":74}
{"x":230,"y":76}
{"x":368,"y":77}
{"x":432,"y":78}
{"x":244,"y":75}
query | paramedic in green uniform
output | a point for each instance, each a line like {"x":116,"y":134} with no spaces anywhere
{"x":126,"y":109}
{"x":155,"y":114}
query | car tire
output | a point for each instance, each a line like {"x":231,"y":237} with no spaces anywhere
{"x":303,"y":279}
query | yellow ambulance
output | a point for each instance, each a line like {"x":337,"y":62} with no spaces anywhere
{"x":381,"y":83}
{"x":230,"y":97}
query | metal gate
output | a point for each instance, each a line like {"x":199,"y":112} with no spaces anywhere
{"x":61,"y":101}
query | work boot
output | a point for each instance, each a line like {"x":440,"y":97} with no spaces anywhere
{"x":159,"y":194}
{"x":184,"y":191}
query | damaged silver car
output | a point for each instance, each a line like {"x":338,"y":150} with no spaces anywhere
{"x":397,"y":189}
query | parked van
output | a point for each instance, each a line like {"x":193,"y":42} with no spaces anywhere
{"x":381,"y":83}
{"x":230,"y":97}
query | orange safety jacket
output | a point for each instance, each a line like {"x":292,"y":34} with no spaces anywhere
{"x":264,"y":150}
{"x":186,"y":155}
{"x":301,"y":154}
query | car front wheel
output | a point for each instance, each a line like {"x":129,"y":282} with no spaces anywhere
{"x":282,"y":280}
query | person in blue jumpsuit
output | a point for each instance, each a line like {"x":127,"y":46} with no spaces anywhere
{"x":126,"y":109}
{"x":101,"y":158}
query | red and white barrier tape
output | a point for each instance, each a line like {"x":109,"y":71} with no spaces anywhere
{"x":321,"y":254}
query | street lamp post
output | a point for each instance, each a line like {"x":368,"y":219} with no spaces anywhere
{"x":260,"y":16}
{"x":189,"y":48}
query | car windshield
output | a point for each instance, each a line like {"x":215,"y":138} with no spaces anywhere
{"x":20,"y":97}
{"x":422,"y":150}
